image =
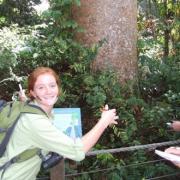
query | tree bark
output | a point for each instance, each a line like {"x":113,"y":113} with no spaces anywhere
{"x":166,"y":31}
{"x":116,"y":22}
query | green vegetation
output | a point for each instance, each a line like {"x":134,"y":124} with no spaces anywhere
{"x":28,"y":40}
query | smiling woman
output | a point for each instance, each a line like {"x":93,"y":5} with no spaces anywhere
{"x":36,"y":131}
{"x":44,"y":87}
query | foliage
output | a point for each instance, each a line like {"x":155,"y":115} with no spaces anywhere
{"x":143,"y":109}
{"x":20,"y":12}
{"x":143,"y":116}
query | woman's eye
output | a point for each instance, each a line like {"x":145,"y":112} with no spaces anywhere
{"x":53,"y":85}
{"x":40,"y":87}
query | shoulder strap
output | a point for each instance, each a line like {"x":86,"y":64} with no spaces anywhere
{"x":2,"y":104}
{"x":32,"y":109}
{"x":5,"y":166}
{"x":7,"y":137}
{"x":24,"y":107}
{"x":27,"y":154}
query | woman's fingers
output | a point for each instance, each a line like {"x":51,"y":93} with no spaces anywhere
{"x":116,"y":117}
{"x":109,"y":115}
{"x":106,"y":107}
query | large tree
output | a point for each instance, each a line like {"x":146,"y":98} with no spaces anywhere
{"x":116,"y":23}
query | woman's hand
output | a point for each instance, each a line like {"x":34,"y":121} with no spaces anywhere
{"x":175,"y":125}
{"x":22,"y":96}
{"x":108,"y":116}
{"x":175,"y":151}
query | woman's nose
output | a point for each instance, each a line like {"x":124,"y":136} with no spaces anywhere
{"x":48,"y":90}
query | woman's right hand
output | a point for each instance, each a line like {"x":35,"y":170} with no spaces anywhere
{"x":22,"y":95}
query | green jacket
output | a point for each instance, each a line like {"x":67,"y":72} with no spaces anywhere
{"x":37,"y":131}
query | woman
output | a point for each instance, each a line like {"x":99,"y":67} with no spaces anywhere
{"x":37,"y":131}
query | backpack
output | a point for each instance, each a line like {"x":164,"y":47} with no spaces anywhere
{"x":10,"y":112}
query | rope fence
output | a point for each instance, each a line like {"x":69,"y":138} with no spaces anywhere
{"x":165,"y":176}
{"x":133,"y":148}
{"x":127,"y":149}
{"x":151,"y":147}
{"x":111,"y":168}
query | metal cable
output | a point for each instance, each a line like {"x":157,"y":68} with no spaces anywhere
{"x":160,"y":177}
{"x":43,"y":178}
{"x":112,"y":168}
{"x":132,"y":148}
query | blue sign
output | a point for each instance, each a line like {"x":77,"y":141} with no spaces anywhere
{"x":68,"y":120}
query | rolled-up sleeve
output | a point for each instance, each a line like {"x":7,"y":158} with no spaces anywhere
{"x":41,"y":133}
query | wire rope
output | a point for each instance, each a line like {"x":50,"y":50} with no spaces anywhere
{"x":111,"y":168}
{"x":133,"y":148}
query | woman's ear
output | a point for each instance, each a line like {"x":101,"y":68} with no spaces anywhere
{"x":32,"y":94}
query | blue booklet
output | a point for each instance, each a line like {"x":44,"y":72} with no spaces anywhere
{"x":68,"y":120}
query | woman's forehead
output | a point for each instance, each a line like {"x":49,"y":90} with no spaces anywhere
{"x":45,"y":78}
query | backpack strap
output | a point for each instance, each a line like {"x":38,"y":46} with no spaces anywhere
{"x":25,"y":155}
{"x":2,"y":104}
{"x":7,"y":137}
{"x":5,"y":166}
{"x":25,"y":108}
{"x":33,"y":109}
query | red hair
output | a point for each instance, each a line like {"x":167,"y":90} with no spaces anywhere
{"x":36,"y":73}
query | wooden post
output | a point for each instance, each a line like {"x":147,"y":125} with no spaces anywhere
{"x":58,"y":171}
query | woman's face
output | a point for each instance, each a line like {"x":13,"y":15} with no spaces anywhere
{"x":45,"y":90}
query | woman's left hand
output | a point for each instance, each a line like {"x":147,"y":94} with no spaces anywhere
{"x":108,"y":116}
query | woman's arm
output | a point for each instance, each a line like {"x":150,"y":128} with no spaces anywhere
{"x":108,"y":117}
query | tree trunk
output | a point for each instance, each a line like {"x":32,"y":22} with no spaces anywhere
{"x":116,"y":22}
{"x":166,"y":31}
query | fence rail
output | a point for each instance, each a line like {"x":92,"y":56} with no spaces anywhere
{"x":58,"y":172}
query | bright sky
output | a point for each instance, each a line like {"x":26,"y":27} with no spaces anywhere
{"x":42,"y":7}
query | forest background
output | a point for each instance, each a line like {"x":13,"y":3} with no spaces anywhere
{"x":29,"y":39}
